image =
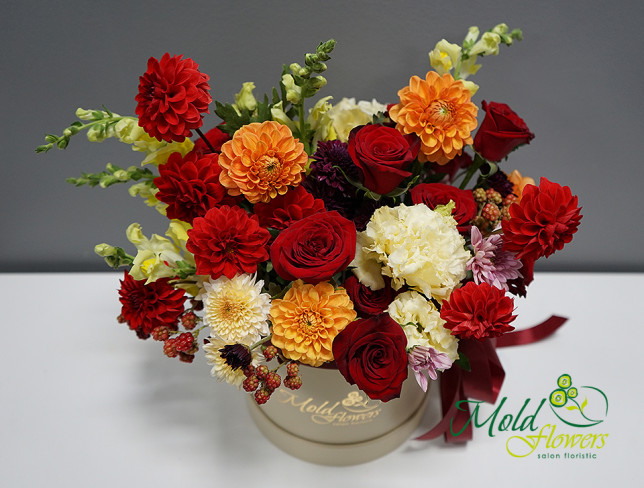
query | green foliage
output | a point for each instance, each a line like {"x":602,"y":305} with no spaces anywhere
{"x":100,"y":126}
{"x":113,"y":174}
{"x":184,"y":270}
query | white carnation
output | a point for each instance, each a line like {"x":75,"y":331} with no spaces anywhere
{"x":414,"y":246}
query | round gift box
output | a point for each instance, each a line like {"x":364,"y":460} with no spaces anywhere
{"x":328,"y":421}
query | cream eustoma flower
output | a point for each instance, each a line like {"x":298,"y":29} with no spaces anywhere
{"x":422,"y":323}
{"x":414,"y":246}
{"x":348,"y":114}
{"x":157,"y":256}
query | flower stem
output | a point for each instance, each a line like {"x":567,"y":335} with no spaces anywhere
{"x":206,"y":141}
{"x":478,"y":162}
{"x":261,"y":341}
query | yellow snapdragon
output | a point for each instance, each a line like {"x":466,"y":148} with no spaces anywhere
{"x":157,"y":256}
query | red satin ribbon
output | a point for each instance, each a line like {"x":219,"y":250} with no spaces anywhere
{"x":483,"y":381}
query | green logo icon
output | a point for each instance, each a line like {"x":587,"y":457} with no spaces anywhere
{"x":565,"y":403}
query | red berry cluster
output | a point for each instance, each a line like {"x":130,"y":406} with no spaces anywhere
{"x":184,"y":346}
{"x":492,"y":209}
{"x":264,"y":382}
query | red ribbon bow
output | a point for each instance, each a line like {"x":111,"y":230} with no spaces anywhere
{"x":483,"y":381}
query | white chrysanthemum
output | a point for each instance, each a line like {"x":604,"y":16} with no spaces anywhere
{"x":220,"y":368}
{"x":235,"y":309}
{"x":422,"y":323}
{"x":415,"y":246}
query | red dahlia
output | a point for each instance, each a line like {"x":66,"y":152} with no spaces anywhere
{"x":173,"y":94}
{"x":190,"y":186}
{"x":478,"y":311}
{"x":285,"y":209}
{"x":227,"y":241}
{"x":542,"y":222}
{"x":146,"y":307}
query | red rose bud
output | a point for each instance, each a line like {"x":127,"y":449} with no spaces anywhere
{"x":501,"y":132}
{"x":371,"y":353}
{"x":366,"y":301}
{"x":433,"y":194}
{"x":382,"y":153}
{"x":315,"y":248}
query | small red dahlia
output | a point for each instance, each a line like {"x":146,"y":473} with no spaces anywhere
{"x":227,"y":240}
{"x":173,"y":94}
{"x":478,"y":311}
{"x":145,"y":307}
{"x":285,"y":209}
{"x":542,"y":222}
{"x":190,"y":185}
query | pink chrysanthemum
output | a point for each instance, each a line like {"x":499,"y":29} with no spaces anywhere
{"x":426,"y":360}
{"x":490,"y":263}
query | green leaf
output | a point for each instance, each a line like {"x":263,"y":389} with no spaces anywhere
{"x":583,"y":405}
{"x":463,"y":361}
{"x":572,"y":407}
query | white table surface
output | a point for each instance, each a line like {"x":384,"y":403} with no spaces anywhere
{"x":84,"y":403}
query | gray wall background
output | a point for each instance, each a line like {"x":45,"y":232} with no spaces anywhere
{"x":576,"y":79}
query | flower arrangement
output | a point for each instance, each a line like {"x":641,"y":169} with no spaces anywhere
{"x":367,"y":236}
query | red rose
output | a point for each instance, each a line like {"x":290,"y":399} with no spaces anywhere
{"x":478,"y":311}
{"x":227,"y":241}
{"x":285,"y":209}
{"x":315,"y":248}
{"x":371,"y":353}
{"x":190,"y":186}
{"x":382,"y":153}
{"x":366,"y":301}
{"x":433,"y":194}
{"x":502,"y":131}
{"x":145,"y":307}
{"x":542,"y":222}
{"x":173,"y":94}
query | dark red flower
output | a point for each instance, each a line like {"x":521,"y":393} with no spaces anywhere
{"x":145,"y":307}
{"x":227,"y":240}
{"x":382,"y":153}
{"x":501,"y":132}
{"x":519,"y":285}
{"x":285,"y":209}
{"x":216,"y":137}
{"x":190,"y":186}
{"x":478,"y":311}
{"x":366,"y":301}
{"x":542,"y":222}
{"x":371,"y":353}
{"x":315,"y":248}
{"x":433,"y":194}
{"x":173,"y":94}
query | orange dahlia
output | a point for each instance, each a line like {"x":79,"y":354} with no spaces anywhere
{"x":437,"y":109}
{"x":519,"y":182}
{"x":308,"y":318}
{"x":261,"y":161}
